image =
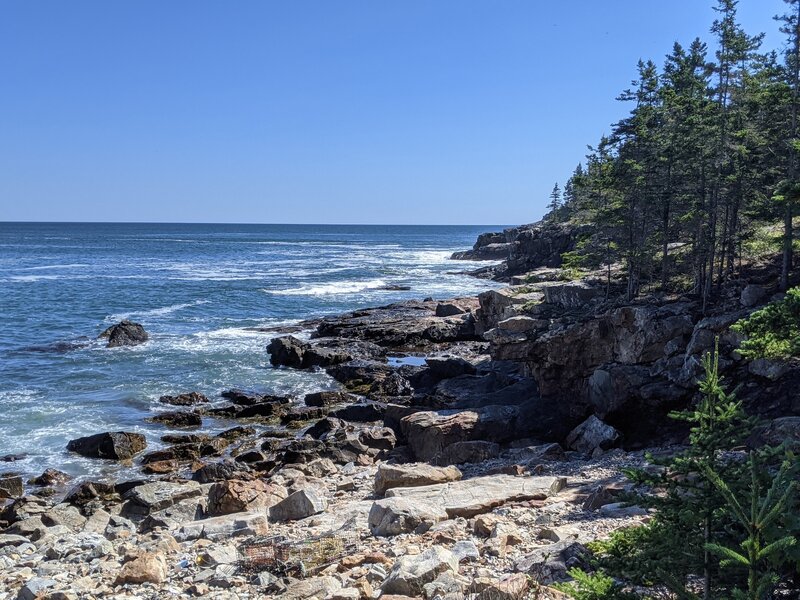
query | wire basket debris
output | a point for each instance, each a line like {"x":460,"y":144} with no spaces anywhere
{"x":299,"y":558}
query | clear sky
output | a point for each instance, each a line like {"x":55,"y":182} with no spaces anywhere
{"x":296,"y":111}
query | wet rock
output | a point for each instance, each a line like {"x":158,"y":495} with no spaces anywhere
{"x":299,"y":505}
{"x":466,"y":452}
{"x":302,"y":413}
{"x":161,"y":467}
{"x":321,"y":399}
{"x":234,"y":496}
{"x":410,"y":573}
{"x":51,"y":477}
{"x":286,"y":351}
{"x":591,"y":435}
{"x":87,"y":491}
{"x":147,"y":567}
{"x":467,"y":498}
{"x":395,"y":516}
{"x":412,"y":475}
{"x":179,"y":452}
{"x":177,"y":419}
{"x":186,"y":399}
{"x":118,"y":445}
{"x":124,"y":333}
{"x":11,"y":486}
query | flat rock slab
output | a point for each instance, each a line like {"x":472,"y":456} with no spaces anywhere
{"x":471,"y":497}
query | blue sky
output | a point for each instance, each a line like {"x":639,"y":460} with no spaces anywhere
{"x":413,"y":111}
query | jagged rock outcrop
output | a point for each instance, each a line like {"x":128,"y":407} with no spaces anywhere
{"x":525,"y":247}
{"x":124,"y":333}
{"x":118,"y":445}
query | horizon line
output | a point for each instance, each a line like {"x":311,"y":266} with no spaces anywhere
{"x":22,"y":222}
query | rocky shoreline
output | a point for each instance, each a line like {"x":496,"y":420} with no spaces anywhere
{"x":475,"y":446}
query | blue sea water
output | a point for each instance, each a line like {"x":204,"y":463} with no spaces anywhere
{"x":199,"y":290}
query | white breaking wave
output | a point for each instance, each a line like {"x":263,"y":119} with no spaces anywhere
{"x":156,"y":312}
{"x":339,"y":287}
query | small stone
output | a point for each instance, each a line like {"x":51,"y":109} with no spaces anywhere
{"x":35,"y":588}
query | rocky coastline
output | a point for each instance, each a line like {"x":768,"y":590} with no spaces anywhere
{"x":474,"y":448}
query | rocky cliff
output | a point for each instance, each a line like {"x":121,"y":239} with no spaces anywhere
{"x":524,"y":248}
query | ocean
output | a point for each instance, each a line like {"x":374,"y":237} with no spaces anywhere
{"x":199,"y":291}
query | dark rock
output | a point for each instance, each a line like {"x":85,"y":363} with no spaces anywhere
{"x":177,"y":419}
{"x":286,"y":351}
{"x":179,"y":452}
{"x":124,"y":333}
{"x":264,"y":409}
{"x":448,"y":309}
{"x":323,"y":426}
{"x":302,"y":413}
{"x":236,"y":433}
{"x":592,"y":435}
{"x":466,"y":452}
{"x":447,"y":367}
{"x":328,"y":398}
{"x":784,"y":430}
{"x":244,"y":398}
{"x":11,"y":486}
{"x":187,"y":399}
{"x":119,"y":445}
{"x":87,"y":491}
{"x":50,"y":477}
{"x":363,"y":412}
{"x":219,"y":472}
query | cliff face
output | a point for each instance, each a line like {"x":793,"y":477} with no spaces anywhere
{"x":629,"y":365}
{"x":525,"y":247}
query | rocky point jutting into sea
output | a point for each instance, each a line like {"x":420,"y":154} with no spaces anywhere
{"x":473,"y":447}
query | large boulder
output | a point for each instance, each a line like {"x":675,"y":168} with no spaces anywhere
{"x":159,"y":495}
{"x":11,"y":486}
{"x":286,"y":351}
{"x":299,"y":505}
{"x":117,"y":445}
{"x":592,"y":435}
{"x":146,"y":567}
{"x":410,"y":573}
{"x":466,"y":452}
{"x":410,"y":475}
{"x":234,"y":496}
{"x":124,"y":333}
{"x":395,"y":516}
{"x":467,"y":498}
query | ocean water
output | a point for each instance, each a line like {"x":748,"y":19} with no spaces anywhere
{"x":199,"y":290}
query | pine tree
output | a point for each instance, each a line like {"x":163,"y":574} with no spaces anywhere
{"x":554,"y":207}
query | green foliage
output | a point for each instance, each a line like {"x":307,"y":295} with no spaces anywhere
{"x":774,"y":331}
{"x":592,"y":586}
{"x":712,"y":523}
{"x":756,"y":515}
{"x":686,"y":183}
